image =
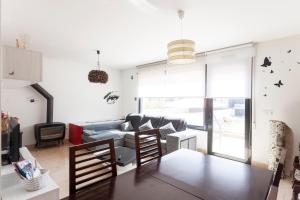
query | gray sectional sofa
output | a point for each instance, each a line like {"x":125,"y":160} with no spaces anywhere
{"x":112,"y":129}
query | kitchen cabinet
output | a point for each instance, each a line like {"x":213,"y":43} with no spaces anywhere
{"x":22,"y":64}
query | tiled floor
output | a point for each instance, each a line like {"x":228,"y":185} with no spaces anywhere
{"x":56,"y":159}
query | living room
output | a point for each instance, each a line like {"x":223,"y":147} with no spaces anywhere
{"x":216,"y":78}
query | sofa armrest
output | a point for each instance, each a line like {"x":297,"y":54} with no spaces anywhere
{"x":174,"y":139}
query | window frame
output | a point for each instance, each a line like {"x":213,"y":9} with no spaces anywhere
{"x":247,"y":132}
{"x":208,"y":120}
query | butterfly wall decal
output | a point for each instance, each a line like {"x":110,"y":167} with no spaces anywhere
{"x":279,"y":84}
{"x":289,"y":51}
{"x":267,"y":62}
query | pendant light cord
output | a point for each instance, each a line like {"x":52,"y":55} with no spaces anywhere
{"x":181,"y":15}
{"x":181,"y":29}
{"x":98,"y":62}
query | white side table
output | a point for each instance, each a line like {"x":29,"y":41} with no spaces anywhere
{"x":12,"y":188}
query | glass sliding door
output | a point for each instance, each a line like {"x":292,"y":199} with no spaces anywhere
{"x":229,"y":93}
{"x":230,"y":134}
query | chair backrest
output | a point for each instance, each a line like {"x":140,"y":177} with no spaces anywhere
{"x":148,"y":146}
{"x":91,"y":163}
{"x":272,"y":195}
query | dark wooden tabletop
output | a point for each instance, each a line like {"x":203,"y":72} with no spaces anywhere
{"x":186,"y":175}
{"x":133,"y":185}
{"x":213,"y":178}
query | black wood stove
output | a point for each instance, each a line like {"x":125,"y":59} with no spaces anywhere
{"x":49,"y":131}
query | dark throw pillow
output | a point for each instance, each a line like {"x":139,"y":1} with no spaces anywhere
{"x":166,"y":130}
{"x":146,"y":126}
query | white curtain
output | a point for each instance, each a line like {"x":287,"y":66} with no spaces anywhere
{"x":172,"y":80}
{"x":151,"y":81}
{"x":229,"y":73}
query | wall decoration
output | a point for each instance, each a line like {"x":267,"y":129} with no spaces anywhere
{"x":267,"y":62}
{"x":265,"y":94}
{"x":298,"y":63}
{"x":111,"y":97}
{"x":279,"y":84}
{"x":289,"y":51}
{"x":290,"y":70}
{"x":271,"y":71}
{"x":277,"y":142}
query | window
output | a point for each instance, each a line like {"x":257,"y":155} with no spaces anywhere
{"x":180,"y":90}
{"x":229,"y":74}
{"x":189,"y":108}
{"x":175,"y":91}
{"x":229,"y":127}
{"x":229,"y":96}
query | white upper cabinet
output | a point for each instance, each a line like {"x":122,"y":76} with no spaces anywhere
{"x":22,"y":64}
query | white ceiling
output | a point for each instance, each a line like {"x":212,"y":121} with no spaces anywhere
{"x":133,"y":32}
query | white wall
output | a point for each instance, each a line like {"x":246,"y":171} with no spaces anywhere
{"x":129,"y":91}
{"x":280,"y":104}
{"x":75,"y":98}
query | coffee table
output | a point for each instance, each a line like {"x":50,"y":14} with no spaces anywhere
{"x":125,"y":155}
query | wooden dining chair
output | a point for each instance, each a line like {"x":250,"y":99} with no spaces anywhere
{"x":91,"y":164}
{"x":148,"y":146}
{"x":272,"y":195}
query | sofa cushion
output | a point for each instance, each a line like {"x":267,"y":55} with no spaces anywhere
{"x":135,"y":120}
{"x":90,"y":132}
{"x":178,"y":124}
{"x":155,"y":121}
{"x":105,"y":125}
{"x":130,"y":136}
{"x":130,"y":143}
{"x":108,"y":134}
{"x":166,"y":129}
{"x":146,"y":126}
{"x":126,"y":126}
{"x":116,"y":134}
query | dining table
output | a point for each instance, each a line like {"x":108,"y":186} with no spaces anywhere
{"x":185,"y":175}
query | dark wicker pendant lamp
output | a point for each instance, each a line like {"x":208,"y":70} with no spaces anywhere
{"x":98,"y":76}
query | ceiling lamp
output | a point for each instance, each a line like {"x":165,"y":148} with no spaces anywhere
{"x":181,"y":51}
{"x":98,"y":76}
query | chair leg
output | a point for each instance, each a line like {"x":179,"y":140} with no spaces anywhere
{"x":296,"y":191}
{"x":295,"y":196}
